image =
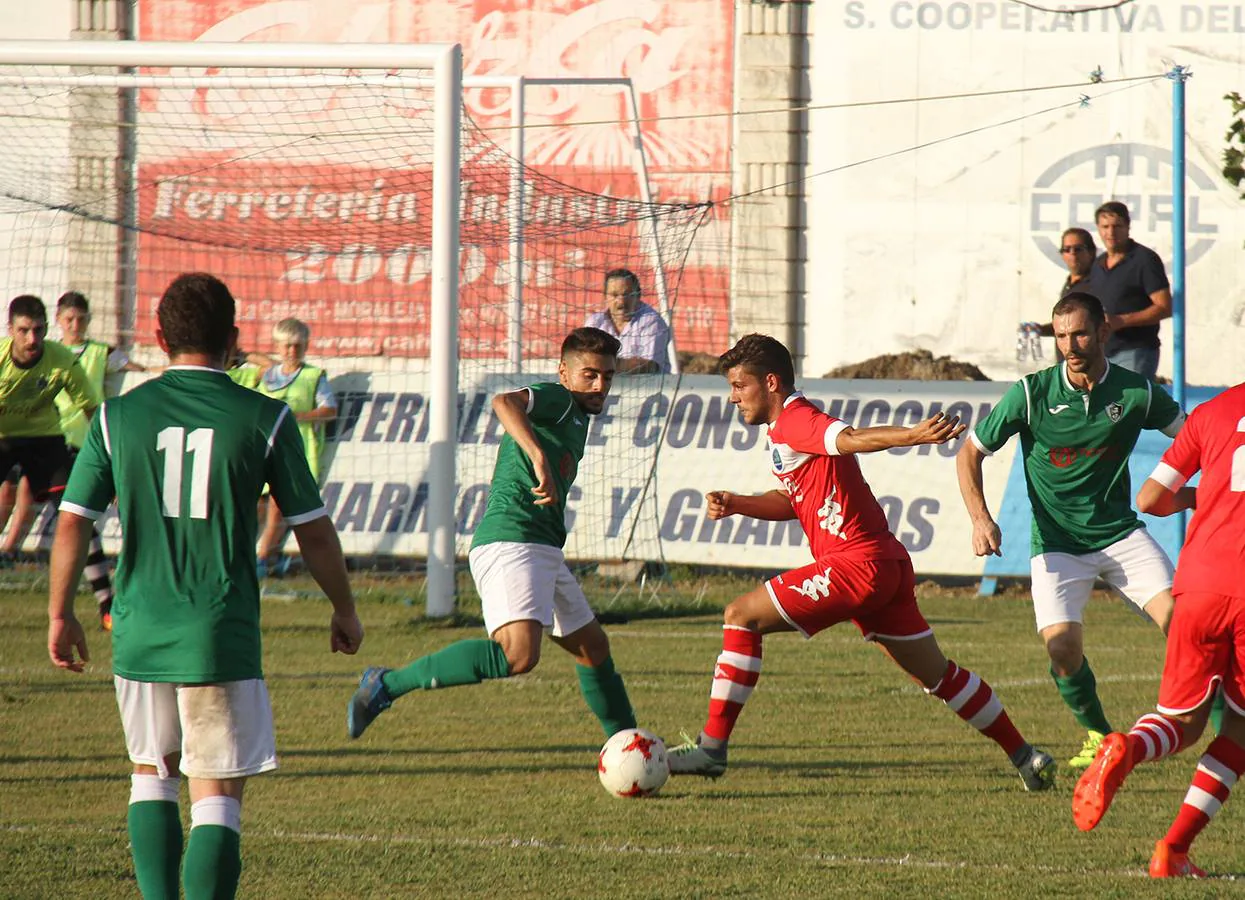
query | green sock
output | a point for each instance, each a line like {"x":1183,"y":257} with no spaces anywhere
{"x":463,"y":662}
{"x":213,"y":863}
{"x":606,"y":694}
{"x":1080,"y":692}
{"x":156,"y":844}
{"x":1216,"y":712}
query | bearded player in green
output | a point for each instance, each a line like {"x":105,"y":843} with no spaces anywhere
{"x":516,"y":555}
{"x":1078,"y":422}
{"x":186,"y":456}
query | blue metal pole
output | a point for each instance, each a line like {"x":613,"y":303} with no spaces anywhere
{"x":1178,"y":75}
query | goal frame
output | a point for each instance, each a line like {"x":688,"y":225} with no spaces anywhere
{"x":444,"y":62}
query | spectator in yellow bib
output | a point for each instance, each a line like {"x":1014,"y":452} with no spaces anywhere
{"x":305,"y":389}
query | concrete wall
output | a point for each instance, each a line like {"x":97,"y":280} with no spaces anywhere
{"x":770,"y":149}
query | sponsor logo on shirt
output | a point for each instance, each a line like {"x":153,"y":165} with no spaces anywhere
{"x":814,"y":588}
{"x":1062,"y":457}
{"x":830,"y":516}
{"x":777,"y":460}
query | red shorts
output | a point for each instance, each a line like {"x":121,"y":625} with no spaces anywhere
{"x":879,"y":595}
{"x":1205,"y":645}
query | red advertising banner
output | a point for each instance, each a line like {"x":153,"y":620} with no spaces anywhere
{"x":261,"y":187}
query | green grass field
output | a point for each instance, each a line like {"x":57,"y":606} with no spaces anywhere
{"x":845,"y":780}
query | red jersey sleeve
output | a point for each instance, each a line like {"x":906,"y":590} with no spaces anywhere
{"x":807,"y":429}
{"x":1183,"y":458}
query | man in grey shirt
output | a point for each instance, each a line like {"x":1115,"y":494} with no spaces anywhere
{"x":643,"y":333}
{"x":1132,"y":284}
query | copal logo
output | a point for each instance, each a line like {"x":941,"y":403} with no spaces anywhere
{"x":1138,"y":175}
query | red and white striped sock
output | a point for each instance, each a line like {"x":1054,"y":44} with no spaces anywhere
{"x":1217,"y":770}
{"x":734,"y":677}
{"x":972,"y":699}
{"x":1153,"y":737}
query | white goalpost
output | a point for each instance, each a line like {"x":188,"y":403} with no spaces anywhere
{"x":443,"y":62}
{"x":349,"y":186}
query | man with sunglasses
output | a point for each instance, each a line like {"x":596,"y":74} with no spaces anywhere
{"x":1077,"y":250}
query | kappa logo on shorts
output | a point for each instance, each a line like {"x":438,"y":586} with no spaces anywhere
{"x":814,"y":588}
{"x":1115,"y":410}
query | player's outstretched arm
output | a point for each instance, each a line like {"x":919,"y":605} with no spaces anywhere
{"x":774,"y":506}
{"x":322,"y":551}
{"x":1159,"y":500}
{"x":511,"y":410}
{"x":69,"y":549}
{"x":937,"y":429}
{"x":987,"y":537}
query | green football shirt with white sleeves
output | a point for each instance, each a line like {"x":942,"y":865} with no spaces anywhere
{"x":186,"y":456}
{"x":1075,"y":446}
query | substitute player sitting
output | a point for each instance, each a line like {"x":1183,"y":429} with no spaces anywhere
{"x":516,"y":556}
{"x":186,"y":456}
{"x":860,"y":573}
{"x":1078,"y":422}
{"x":1206,"y":642}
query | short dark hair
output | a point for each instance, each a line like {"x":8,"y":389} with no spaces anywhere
{"x":27,"y":305}
{"x":761,"y":355}
{"x":73,"y":300}
{"x":196,"y":315}
{"x":1074,"y":300}
{"x":1083,"y":236}
{"x":1112,"y":208}
{"x":590,"y":340}
{"x":632,"y":277}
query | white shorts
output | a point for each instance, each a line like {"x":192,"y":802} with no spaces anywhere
{"x":221,"y":730}
{"x":528,"y":581}
{"x":1135,"y":568}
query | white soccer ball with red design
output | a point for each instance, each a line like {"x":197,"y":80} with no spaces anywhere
{"x":633,"y":763}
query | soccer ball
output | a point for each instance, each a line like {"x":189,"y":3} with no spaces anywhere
{"x":633,"y":763}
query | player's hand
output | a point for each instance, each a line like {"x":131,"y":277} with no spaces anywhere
{"x":546,"y":490}
{"x":721,"y":504}
{"x":64,"y":637}
{"x":345,"y":633}
{"x":937,"y":429}
{"x":987,"y":538}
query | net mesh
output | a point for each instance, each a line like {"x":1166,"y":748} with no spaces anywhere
{"x":311,"y":196}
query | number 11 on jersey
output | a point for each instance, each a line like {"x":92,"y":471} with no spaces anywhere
{"x":176,"y":445}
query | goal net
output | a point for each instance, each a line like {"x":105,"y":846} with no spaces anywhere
{"x":310,"y":190}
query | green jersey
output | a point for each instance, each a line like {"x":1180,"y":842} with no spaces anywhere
{"x":561,"y":427}
{"x":186,"y":456}
{"x":1075,"y":446}
{"x":28,"y":395}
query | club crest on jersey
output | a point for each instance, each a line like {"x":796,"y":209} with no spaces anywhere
{"x":777,"y":460}
{"x":1115,"y":410}
{"x":42,"y":383}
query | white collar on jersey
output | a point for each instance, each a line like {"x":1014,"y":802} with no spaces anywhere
{"x":194,"y":369}
{"x":1063,"y":371}
{"x":792,"y":397}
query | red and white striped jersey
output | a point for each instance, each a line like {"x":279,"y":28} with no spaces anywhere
{"x":829,"y":494}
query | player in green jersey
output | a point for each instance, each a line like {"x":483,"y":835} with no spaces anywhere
{"x":34,"y":373}
{"x":1078,"y":422}
{"x":516,"y":554}
{"x":186,"y":456}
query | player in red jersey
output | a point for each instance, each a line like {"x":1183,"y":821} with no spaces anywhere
{"x":1206,"y":639}
{"x":860,"y":572}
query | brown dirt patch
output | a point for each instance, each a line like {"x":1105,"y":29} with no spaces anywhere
{"x":916,"y":365}
{"x":695,"y":363}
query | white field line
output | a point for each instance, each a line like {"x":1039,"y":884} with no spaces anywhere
{"x":616,"y":850}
